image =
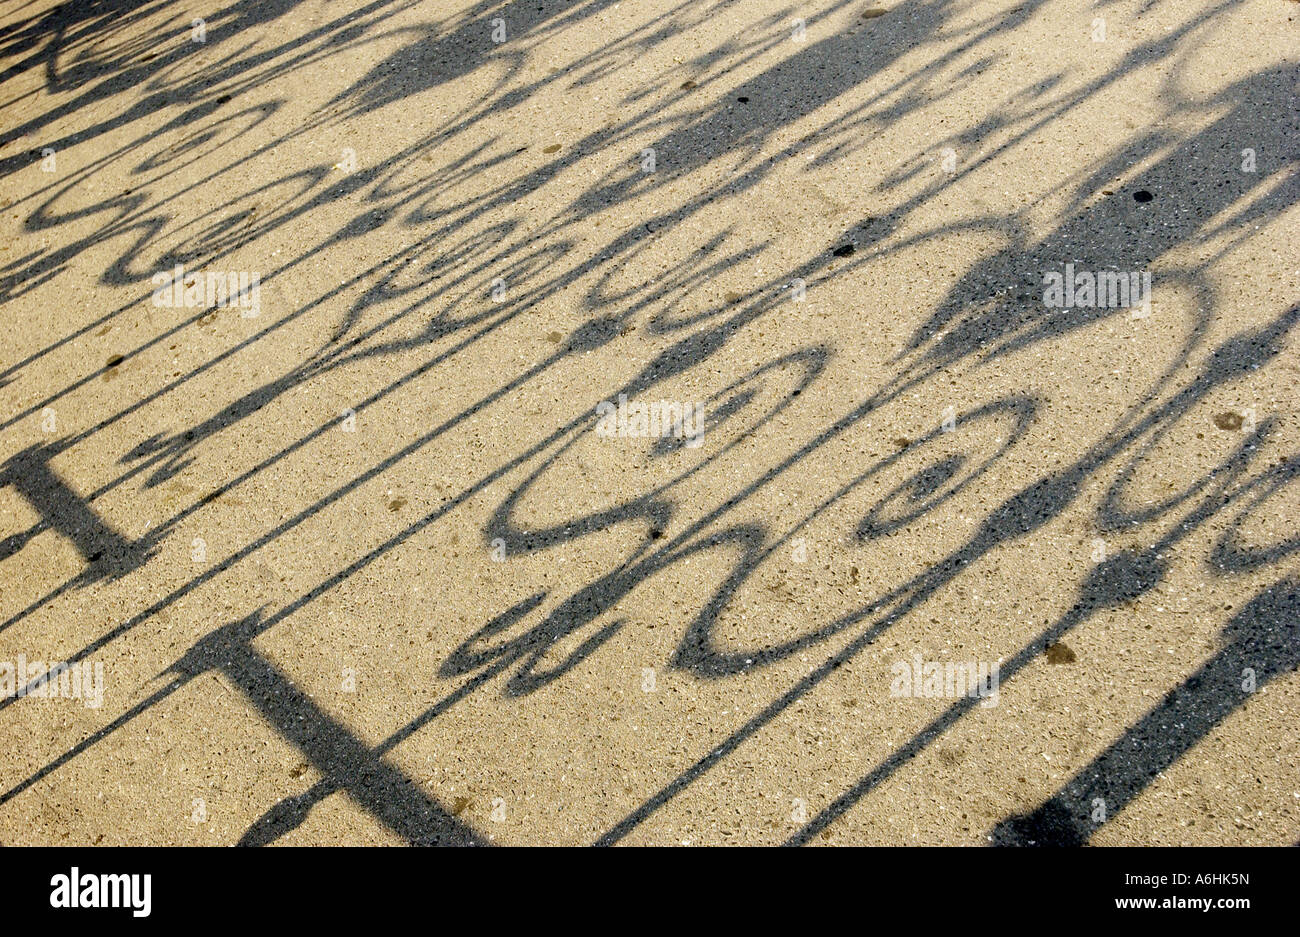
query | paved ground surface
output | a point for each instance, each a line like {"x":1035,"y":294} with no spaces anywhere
{"x":361,"y":562}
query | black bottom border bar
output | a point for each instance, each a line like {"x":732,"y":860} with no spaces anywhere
{"x":331,"y":886}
